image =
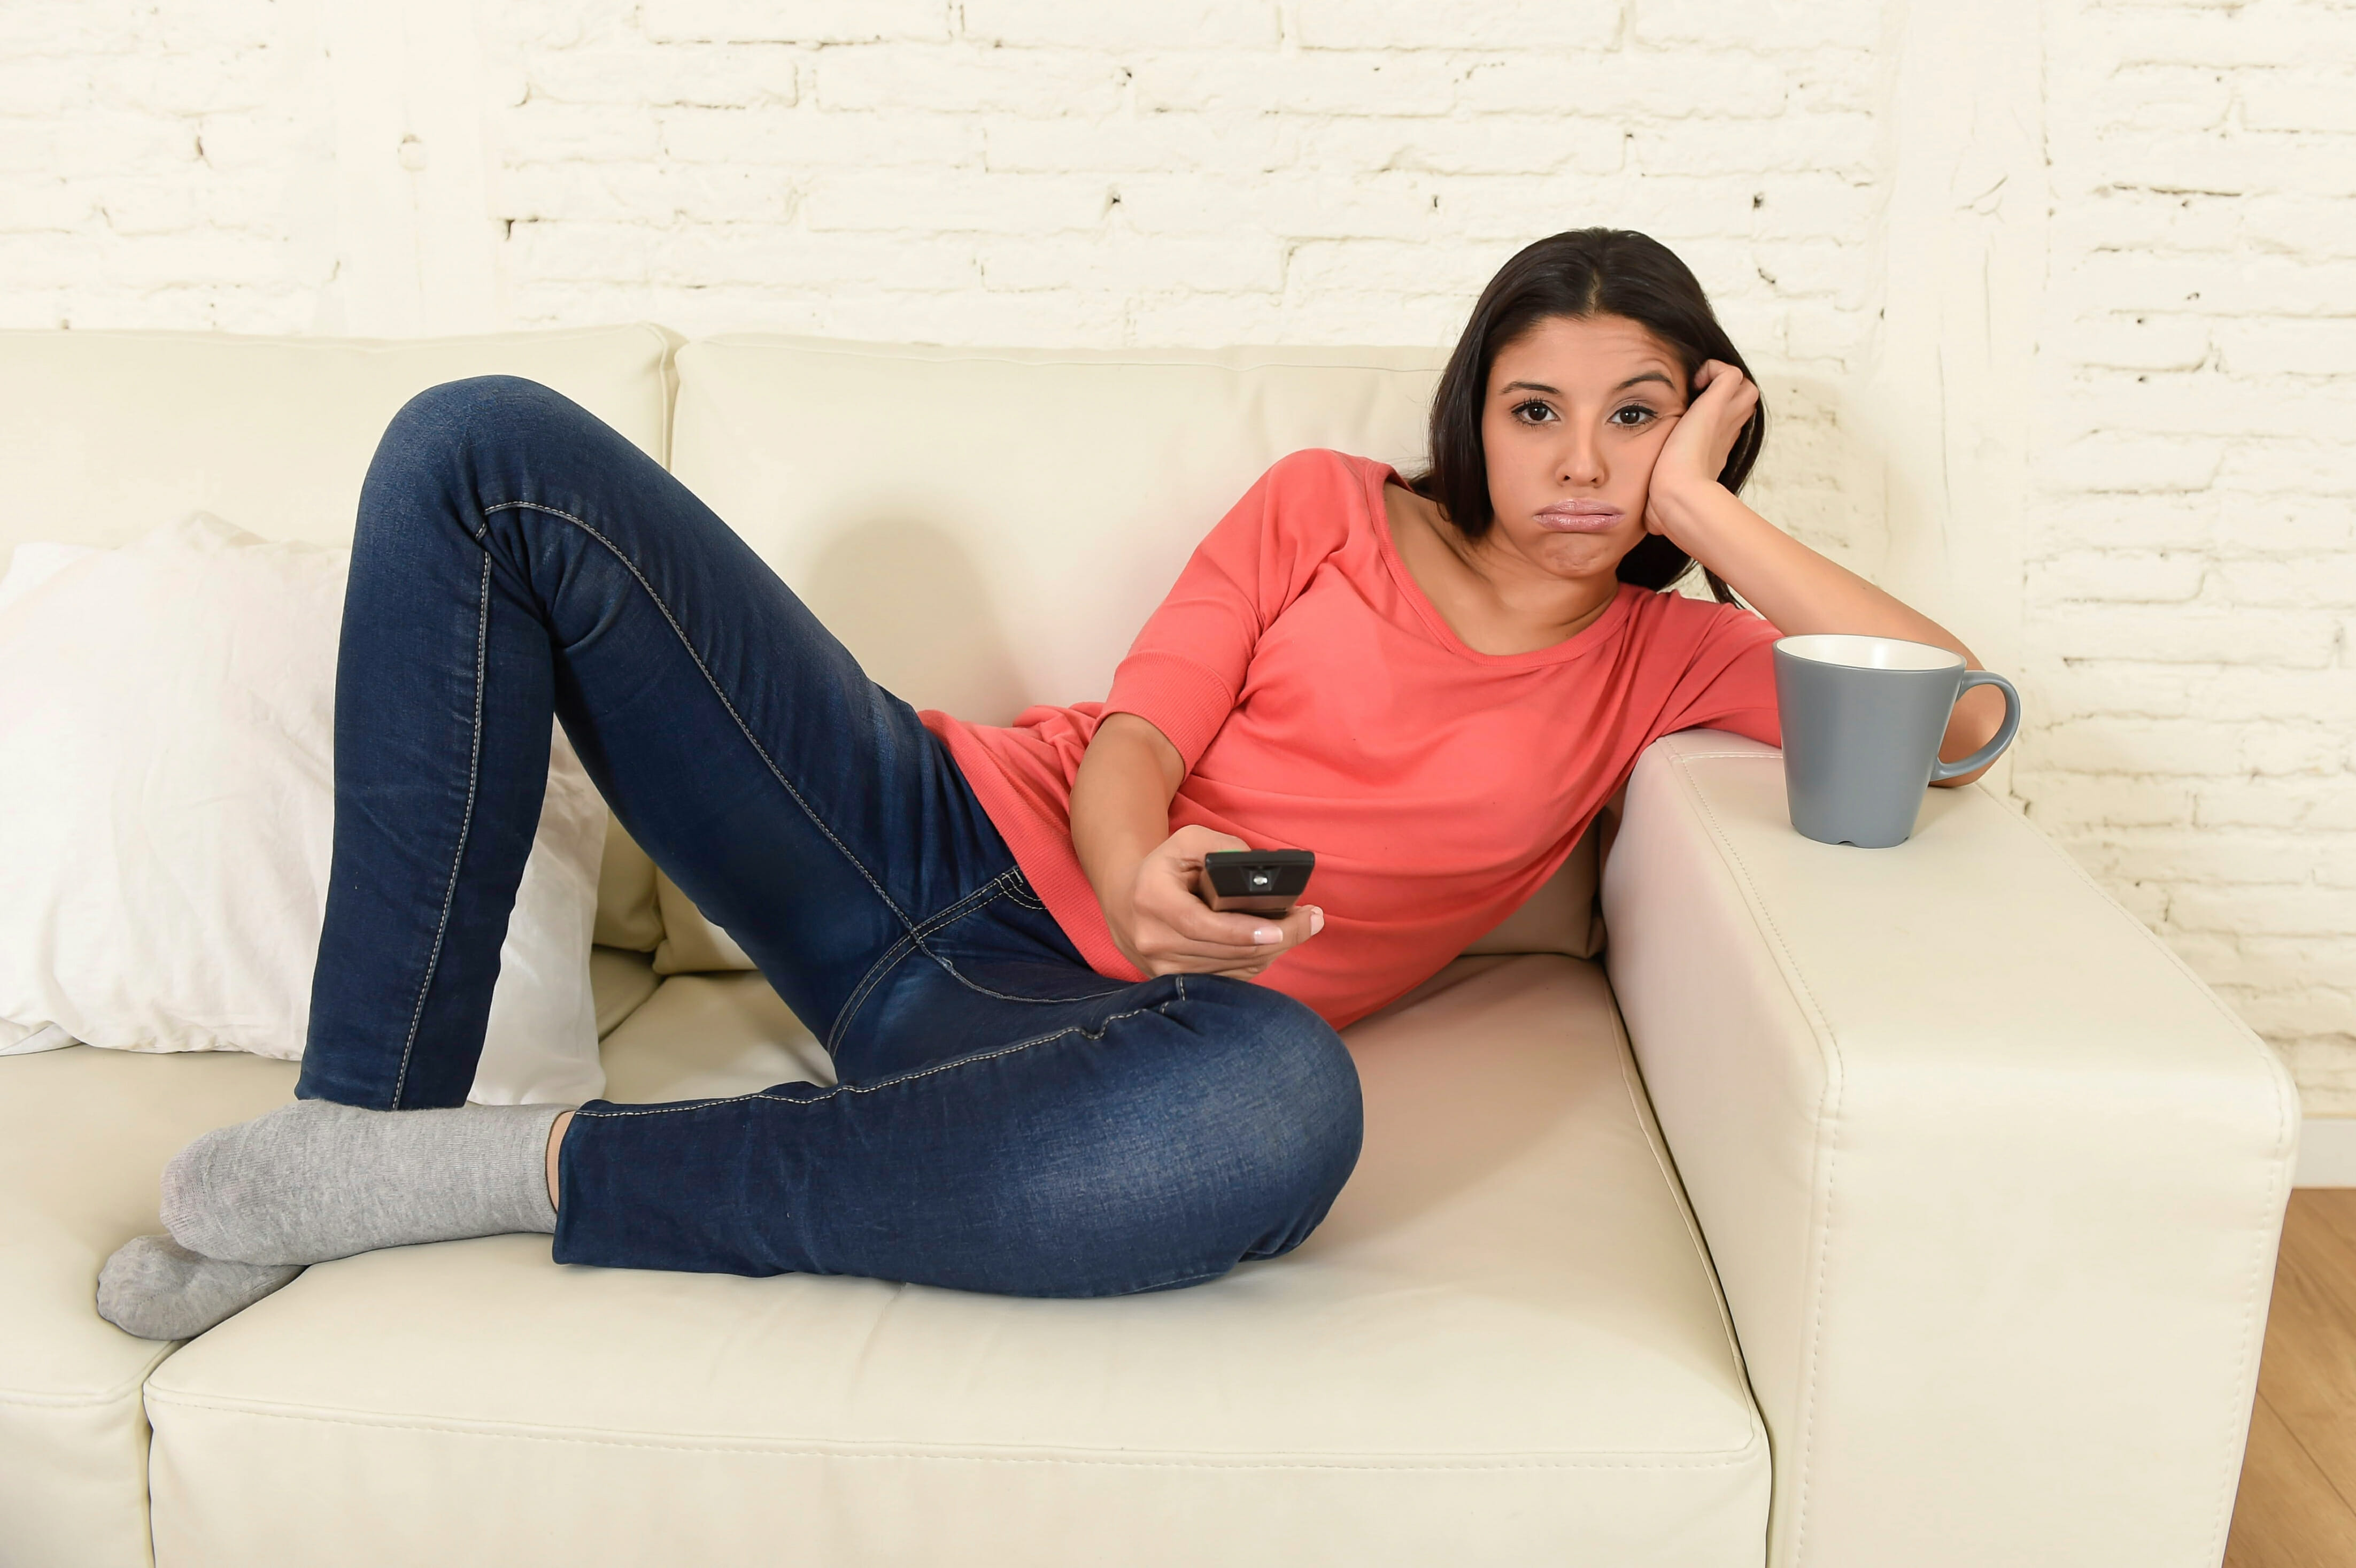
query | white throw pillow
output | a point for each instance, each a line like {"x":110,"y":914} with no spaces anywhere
{"x":167,"y":814}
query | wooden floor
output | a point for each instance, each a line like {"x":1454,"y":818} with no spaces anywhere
{"x":2297,"y":1504}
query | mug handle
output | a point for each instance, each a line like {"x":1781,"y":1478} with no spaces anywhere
{"x":2005,"y":732}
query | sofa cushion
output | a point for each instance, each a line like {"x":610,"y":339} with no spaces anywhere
{"x":1505,"y":1346}
{"x":627,"y":915}
{"x":167,"y":851}
{"x":707,"y":1035}
{"x":1562,"y":915}
{"x":619,"y":980}
{"x":83,"y":1134}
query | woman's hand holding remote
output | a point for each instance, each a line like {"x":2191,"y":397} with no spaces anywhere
{"x":1166,"y":929}
{"x":1144,"y":874}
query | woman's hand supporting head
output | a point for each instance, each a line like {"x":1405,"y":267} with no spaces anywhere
{"x":1699,"y":440}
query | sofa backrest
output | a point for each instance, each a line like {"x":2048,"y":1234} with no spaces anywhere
{"x":987,"y":527}
{"x":105,"y":436}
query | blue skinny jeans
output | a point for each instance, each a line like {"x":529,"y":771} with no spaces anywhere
{"x":1006,"y":1119}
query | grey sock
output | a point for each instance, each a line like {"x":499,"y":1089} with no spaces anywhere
{"x":158,"y":1289}
{"x":316,"y":1181}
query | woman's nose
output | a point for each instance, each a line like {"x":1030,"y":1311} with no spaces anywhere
{"x":1580,"y":461}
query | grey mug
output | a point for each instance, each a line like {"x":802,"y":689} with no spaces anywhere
{"x":1863,"y":717}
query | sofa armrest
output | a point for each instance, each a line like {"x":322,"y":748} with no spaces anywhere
{"x":1992,"y":1182}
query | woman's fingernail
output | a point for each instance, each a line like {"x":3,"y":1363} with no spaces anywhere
{"x":1266,"y":934}
{"x":1316,"y":920}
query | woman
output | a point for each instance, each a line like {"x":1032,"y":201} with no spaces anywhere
{"x":1061,"y":1072}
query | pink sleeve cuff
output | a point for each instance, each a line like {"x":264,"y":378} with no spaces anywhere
{"x":1177,"y":696}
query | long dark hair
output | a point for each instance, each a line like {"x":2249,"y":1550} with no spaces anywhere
{"x":1584,"y":272}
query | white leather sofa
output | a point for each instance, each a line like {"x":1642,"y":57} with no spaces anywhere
{"x":1861,"y":1208}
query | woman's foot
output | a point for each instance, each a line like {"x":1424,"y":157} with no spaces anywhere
{"x":316,"y":1181}
{"x":158,"y":1289}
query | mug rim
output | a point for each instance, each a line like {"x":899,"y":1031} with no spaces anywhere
{"x":1853,"y":651}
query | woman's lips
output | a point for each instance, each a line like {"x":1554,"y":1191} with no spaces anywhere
{"x":1580,"y":517}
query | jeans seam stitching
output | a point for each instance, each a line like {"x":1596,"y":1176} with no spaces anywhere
{"x":867,"y":984}
{"x":894,"y":1081}
{"x":741,"y":727}
{"x":900,"y":950}
{"x":465,"y":829}
{"x":1181,"y":1280}
{"x":1010,"y":877}
{"x":1001,"y":996}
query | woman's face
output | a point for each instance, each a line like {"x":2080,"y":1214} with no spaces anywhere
{"x":1577,"y":408}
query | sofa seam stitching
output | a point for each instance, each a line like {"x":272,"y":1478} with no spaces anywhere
{"x":1830,"y":1044}
{"x":1705,"y":1459}
{"x":24,"y":1401}
{"x":1655,"y":1142}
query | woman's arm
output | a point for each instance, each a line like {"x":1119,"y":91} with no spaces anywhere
{"x":1144,"y":874}
{"x":1799,"y":591}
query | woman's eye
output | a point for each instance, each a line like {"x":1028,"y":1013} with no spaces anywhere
{"x":1632,"y":416}
{"x":1533,"y":412}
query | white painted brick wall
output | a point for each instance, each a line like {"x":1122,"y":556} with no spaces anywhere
{"x":2190,"y":566}
{"x":2052,"y":297}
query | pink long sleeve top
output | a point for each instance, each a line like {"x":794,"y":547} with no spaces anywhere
{"x":1320,"y":702}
